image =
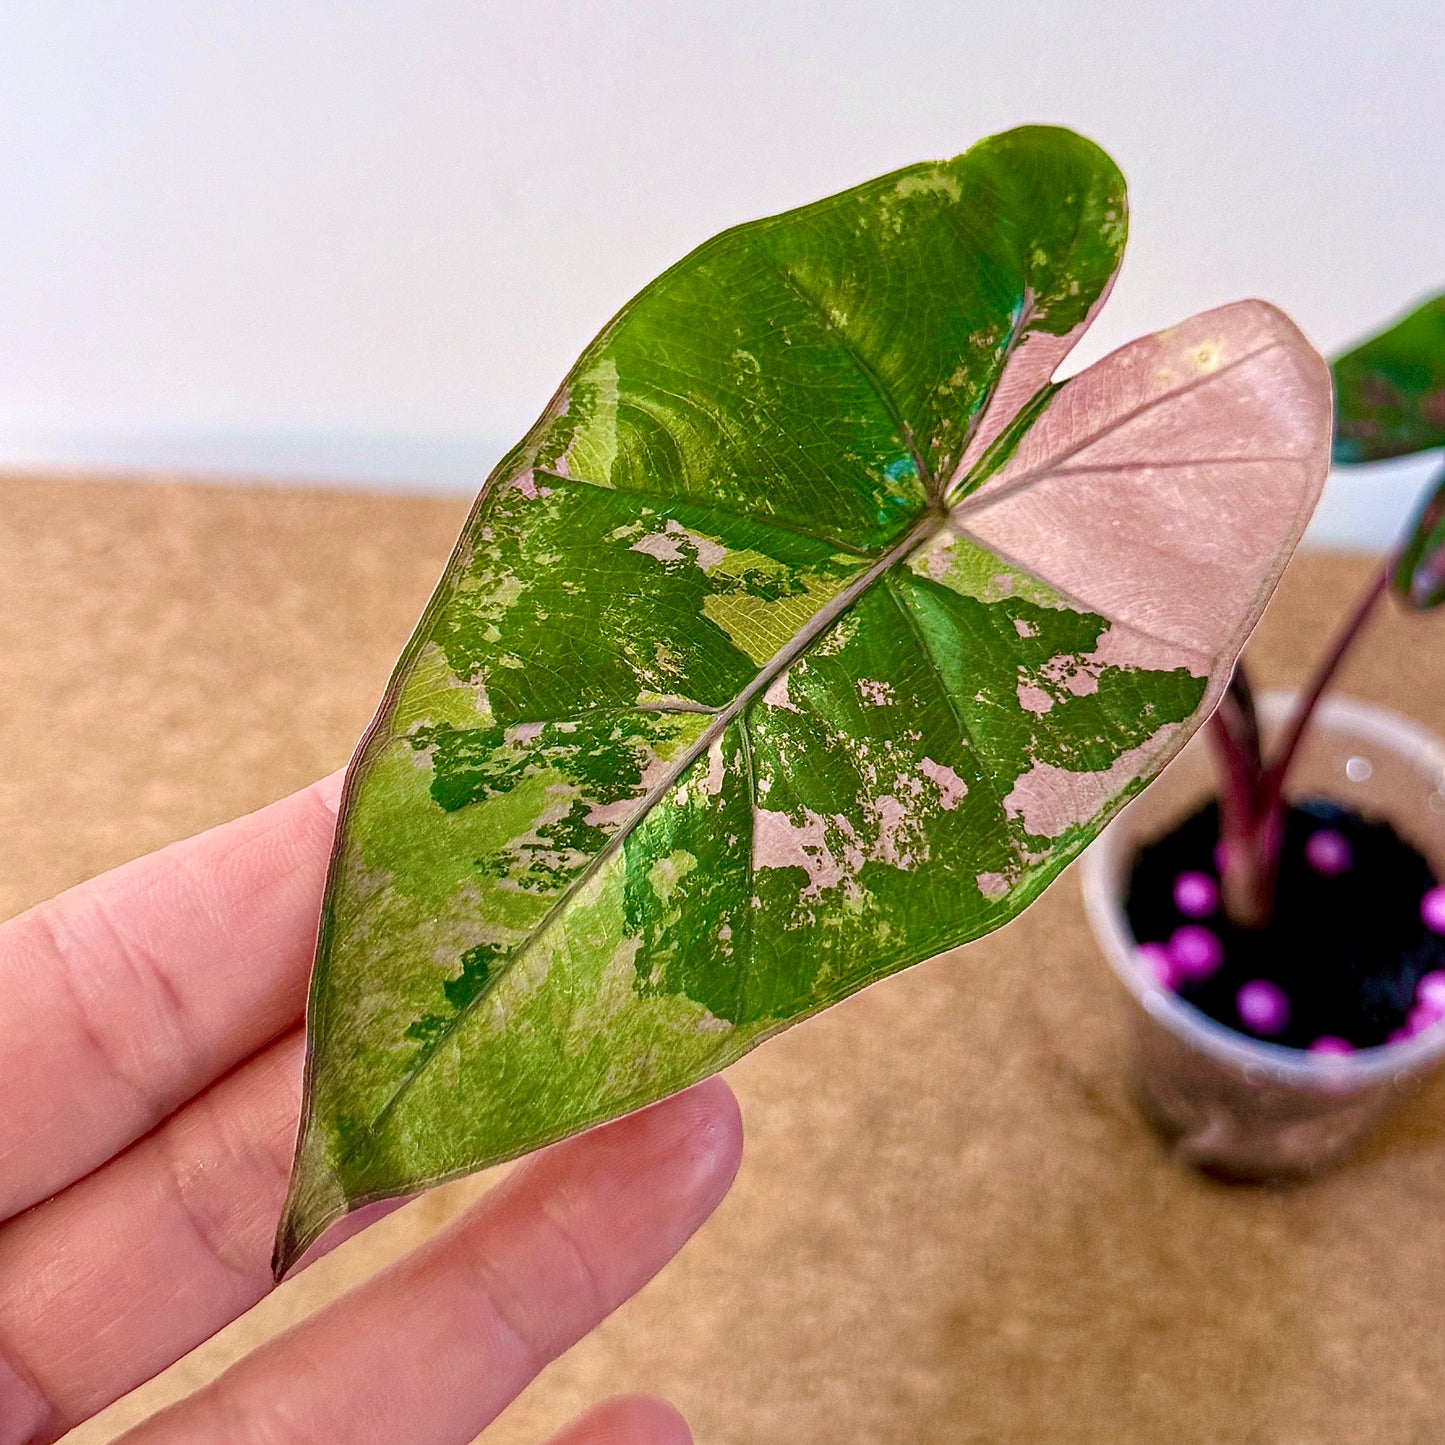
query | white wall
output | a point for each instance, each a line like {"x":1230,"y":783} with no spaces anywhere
{"x":365,"y":240}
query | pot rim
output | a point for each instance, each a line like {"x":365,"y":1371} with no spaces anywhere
{"x":1101,"y":873}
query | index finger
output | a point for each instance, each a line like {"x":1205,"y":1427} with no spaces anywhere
{"x":125,"y":996}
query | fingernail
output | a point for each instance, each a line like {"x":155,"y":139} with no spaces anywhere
{"x":712,"y":1137}
{"x":329,"y":789}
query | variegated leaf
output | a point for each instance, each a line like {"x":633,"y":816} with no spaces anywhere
{"x":1390,"y":402}
{"x":1390,"y":389}
{"x":810,"y":632}
{"x":1418,"y":575}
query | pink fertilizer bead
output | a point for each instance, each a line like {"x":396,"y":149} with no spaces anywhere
{"x":1329,"y":853}
{"x":1196,"y":895}
{"x":1424,"y":1016}
{"x":1263,"y":1006}
{"x":1195,"y":952}
{"x":1157,"y":961}
{"x":1431,"y":990}
{"x":1329,"y":1044}
{"x":1432,"y":910}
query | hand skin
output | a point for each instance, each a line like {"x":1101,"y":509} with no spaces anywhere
{"x":150,"y":1070}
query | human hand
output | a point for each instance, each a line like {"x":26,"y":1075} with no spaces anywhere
{"x":150,"y":1073}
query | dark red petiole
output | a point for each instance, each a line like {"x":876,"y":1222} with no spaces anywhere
{"x":1251,"y":794}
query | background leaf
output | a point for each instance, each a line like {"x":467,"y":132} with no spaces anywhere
{"x":1390,"y":402}
{"x":1390,"y":391}
{"x":1419,"y":574}
{"x":810,"y":632}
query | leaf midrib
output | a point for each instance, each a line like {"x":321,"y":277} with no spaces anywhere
{"x":933,"y":521}
{"x":861,"y":365}
{"x":936,"y":517}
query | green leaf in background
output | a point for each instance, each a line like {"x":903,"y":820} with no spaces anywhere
{"x":1390,"y":390}
{"x":1390,"y":402}
{"x":1418,"y":577}
{"x":809,"y":633}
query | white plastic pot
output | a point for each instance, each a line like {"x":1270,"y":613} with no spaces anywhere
{"x":1224,"y":1102}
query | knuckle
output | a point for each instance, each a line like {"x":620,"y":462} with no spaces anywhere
{"x":27,"y":1416}
{"x":215,"y":1170}
{"x":585,"y":1279}
{"x":539,"y":1323}
{"x":166,"y":1033}
{"x":238,"y":1416}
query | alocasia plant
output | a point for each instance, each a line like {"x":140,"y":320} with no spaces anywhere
{"x":810,"y":632}
{"x":1389,"y":402}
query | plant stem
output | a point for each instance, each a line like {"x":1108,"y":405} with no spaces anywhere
{"x":1240,"y":715}
{"x":1274,"y":775}
{"x":1246,"y":867}
{"x":1251,"y":795}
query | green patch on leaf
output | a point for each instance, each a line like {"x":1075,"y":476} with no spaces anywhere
{"x":1390,"y":390}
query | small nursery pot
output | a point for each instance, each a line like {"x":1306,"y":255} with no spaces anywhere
{"x":1226,"y":1103}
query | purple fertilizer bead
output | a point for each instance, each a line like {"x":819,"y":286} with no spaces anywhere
{"x":1423,"y":1016}
{"x":1195,"y":952}
{"x":1431,"y":990}
{"x":1329,"y":853}
{"x":1263,"y":1007}
{"x":1432,"y":910}
{"x":1196,"y":895}
{"x":1155,"y":958}
{"x":1331,"y":1045}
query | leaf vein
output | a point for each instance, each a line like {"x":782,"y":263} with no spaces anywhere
{"x":964,"y":731}
{"x":708,"y":504}
{"x":983,"y":498}
{"x":927,"y":527}
{"x":860,"y":363}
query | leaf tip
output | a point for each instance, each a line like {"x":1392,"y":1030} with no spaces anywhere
{"x":311,"y":1209}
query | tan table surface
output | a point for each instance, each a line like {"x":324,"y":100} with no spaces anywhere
{"x":950,"y":1226}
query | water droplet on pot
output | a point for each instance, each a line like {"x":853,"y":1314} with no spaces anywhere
{"x":1359,"y":769}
